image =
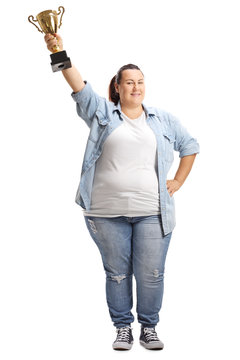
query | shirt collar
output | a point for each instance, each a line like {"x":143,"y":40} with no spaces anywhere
{"x":149,"y":111}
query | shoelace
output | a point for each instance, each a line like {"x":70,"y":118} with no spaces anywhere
{"x":123,"y":334}
{"x":150,"y":334}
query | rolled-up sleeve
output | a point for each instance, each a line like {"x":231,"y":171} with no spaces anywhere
{"x":87,"y":103}
{"x":184,"y":143}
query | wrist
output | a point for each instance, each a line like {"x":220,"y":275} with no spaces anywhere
{"x":180,"y":182}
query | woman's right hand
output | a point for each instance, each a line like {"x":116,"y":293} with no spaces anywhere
{"x":53,"y":40}
{"x":72,"y":76}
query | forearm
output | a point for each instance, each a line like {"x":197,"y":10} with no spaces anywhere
{"x":184,"y":168}
{"x":74,"y":79}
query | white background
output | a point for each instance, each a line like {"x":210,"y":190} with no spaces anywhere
{"x":52,"y":303}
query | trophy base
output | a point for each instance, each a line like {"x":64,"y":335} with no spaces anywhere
{"x":60,"y":61}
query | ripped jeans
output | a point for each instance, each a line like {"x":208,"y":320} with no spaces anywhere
{"x":132,"y":245}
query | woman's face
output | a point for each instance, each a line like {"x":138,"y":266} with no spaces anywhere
{"x":131,"y":88}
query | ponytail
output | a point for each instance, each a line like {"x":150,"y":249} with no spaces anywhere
{"x":112,"y":94}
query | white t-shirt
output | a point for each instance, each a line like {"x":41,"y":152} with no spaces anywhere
{"x":125,"y":179}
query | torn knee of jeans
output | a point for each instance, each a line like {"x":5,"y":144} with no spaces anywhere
{"x":118,"y":278}
{"x":157,"y":274}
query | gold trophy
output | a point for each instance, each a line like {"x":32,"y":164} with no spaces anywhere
{"x":48,"y":21}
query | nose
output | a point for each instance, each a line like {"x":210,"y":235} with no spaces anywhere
{"x":135,"y":86}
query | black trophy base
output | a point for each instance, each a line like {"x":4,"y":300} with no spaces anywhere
{"x":60,"y":61}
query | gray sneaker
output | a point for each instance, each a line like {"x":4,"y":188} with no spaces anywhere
{"x":124,"y":340}
{"x":150,"y":340}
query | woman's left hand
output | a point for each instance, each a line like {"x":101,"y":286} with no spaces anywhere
{"x":172,"y":186}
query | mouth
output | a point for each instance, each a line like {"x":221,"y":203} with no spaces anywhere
{"x":135,"y":94}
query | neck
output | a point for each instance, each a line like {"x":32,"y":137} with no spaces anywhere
{"x":132,"y":113}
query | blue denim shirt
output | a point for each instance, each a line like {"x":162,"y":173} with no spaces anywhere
{"x":103,"y":117}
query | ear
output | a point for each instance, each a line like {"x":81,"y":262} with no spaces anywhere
{"x":116,"y":87}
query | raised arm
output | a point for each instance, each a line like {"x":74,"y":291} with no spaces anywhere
{"x":72,"y":75}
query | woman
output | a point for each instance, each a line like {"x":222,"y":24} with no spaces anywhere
{"x":127,"y":201}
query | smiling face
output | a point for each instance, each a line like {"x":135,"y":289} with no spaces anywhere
{"x":131,"y":88}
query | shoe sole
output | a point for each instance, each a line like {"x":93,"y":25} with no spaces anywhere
{"x":122,"y":346}
{"x":151,"y":346}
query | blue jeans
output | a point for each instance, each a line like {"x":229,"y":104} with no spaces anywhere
{"x":132,"y":245}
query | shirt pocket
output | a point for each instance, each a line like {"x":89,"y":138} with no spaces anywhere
{"x":98,"y":127}
{"x":169,"y":140}
{"x":101,"y":118}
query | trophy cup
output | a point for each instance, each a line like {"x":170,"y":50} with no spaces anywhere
{"x":48,"y":21}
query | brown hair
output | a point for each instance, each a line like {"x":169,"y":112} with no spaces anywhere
{"x":112,"y":94}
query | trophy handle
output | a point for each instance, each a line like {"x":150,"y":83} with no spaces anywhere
{"x":29,"y":19}
{"x":63,"y":10}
